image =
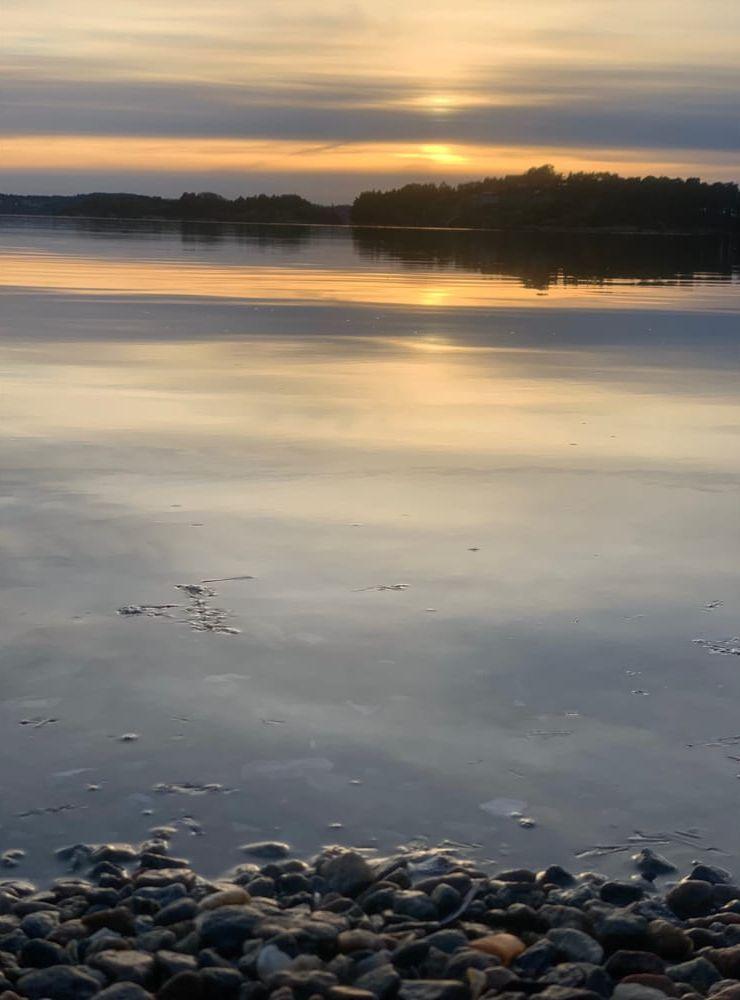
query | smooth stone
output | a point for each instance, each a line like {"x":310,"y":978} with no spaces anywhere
{"x":447,"y":941}
{"x":710,"y":873}
{"x":636,"y":991}
{"x":59,"y":982}
{"x":620,"y":893}
{"x":727,"y":960}
{"x":118,"y":919}
{"x":169,"y":963}
{"x":446,"y":899}
{"x":728,"y":993}
{"x":270,"y":850}
{"x":183,"y":986}
{"x":382,"y":982}
{"x":668,"y":941}
{"x":515,"y":875}
{"x":650,"y":865}
{"x":114,"y":852}
{"x":124,"y":965}
{"x":433,"y":989}
{"x":41,"y":954}
{"x":227,"y":928}
{"x":177,"y":912}
{"x":580,"y":975}
{"x":698,"y":973}
{"x":414,"y":904}
{"x":656,"y":982}
{"x":537,"y":959}
{"x":347,"y":873}
{"x":349,"y":993}
{"x":39,"y":925}
{"x":220,"y":983}
{"x":575,"y":945}
{"x":563,"y":993}
{"x":627,"y":963}
{"x":691,"y":898}
{"x":235,"y":896}
{"x":272,"y":960}
{"x":124,"y":991}
{"x":505,"y":947}
{"x":358,"y":940}
{"x":555,"y":875}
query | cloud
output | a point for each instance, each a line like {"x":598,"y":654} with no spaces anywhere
{"x":589,"y":79}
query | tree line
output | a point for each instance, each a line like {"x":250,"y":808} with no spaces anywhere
{"x":543,"y":198}
{"x":190,"y":206}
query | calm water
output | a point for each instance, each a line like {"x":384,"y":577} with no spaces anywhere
{"x":533,"y":443}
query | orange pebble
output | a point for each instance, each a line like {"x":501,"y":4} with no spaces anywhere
{"x":504,"y":946}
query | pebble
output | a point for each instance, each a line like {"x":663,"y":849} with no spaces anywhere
{"x":505,"y":947}
{"x":342,"y":928}
{"x":270,"y":850}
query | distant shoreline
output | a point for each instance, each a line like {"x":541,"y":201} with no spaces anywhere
{"x":538,"y":200}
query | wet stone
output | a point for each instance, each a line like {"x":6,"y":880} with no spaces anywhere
{"x":59,"y":982}
{"x":433,"y":989}
{"x":176,"y":912}
{"x":270,"y":850}
{"x":581,"y":975}
{"x":382,"y":982}
{"x":651,"y":865}
{"x":698,"y":973}
{"x":620,"y":893}
{"x":414,"y":904}
{"x":691,"y":898}
{"x":124,"y":991}
{"x":637,"y":991}
{"x":119,"y":919}
{"x":627,"y":963}
{"x":124,"y":965}
{"x":711,"y":874}
{"x":575,"y":946}
{"x":40,"y":954}
{"x":347,"y":873}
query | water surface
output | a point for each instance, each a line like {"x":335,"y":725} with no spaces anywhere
{"x":485,"y":489}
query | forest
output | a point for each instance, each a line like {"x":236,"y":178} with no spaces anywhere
{"x":543,"y":198}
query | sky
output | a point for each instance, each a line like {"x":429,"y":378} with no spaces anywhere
{"x":327,"y":98}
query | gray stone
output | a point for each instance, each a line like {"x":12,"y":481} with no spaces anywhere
{"x":691,"y":898}
{"x":536,"y":959}
{"x":169,"y":963}
{"x":433,"y":989}
{"x":710,"y":873}
{"x":40,"y":954}
{"x":413,"y":904}
{"x":39,"y":925}
{"x":627,"y":963}
{"x":347,"y":873}
{"x":127,"y":966}
{"x":176,"y":912}
{"x":124,"y":991}
{"x":650,"y":865}
{"x":636,"y":991}
{"x":227,"y":928}
{"x":575,"y":945}
{"x":59,"y":982}
{"x":382,"y":982}
{"x":581,"y":975}
{"x":270,"y":850}
{"x":698,"y":973}
{"x":270,"y":961}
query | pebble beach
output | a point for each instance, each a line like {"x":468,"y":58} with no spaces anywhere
{"x":134,"y":922}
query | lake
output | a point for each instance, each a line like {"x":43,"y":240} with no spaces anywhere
{"x":373,"y":538}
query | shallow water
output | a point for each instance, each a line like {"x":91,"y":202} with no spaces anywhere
{"x":479,"y":495}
